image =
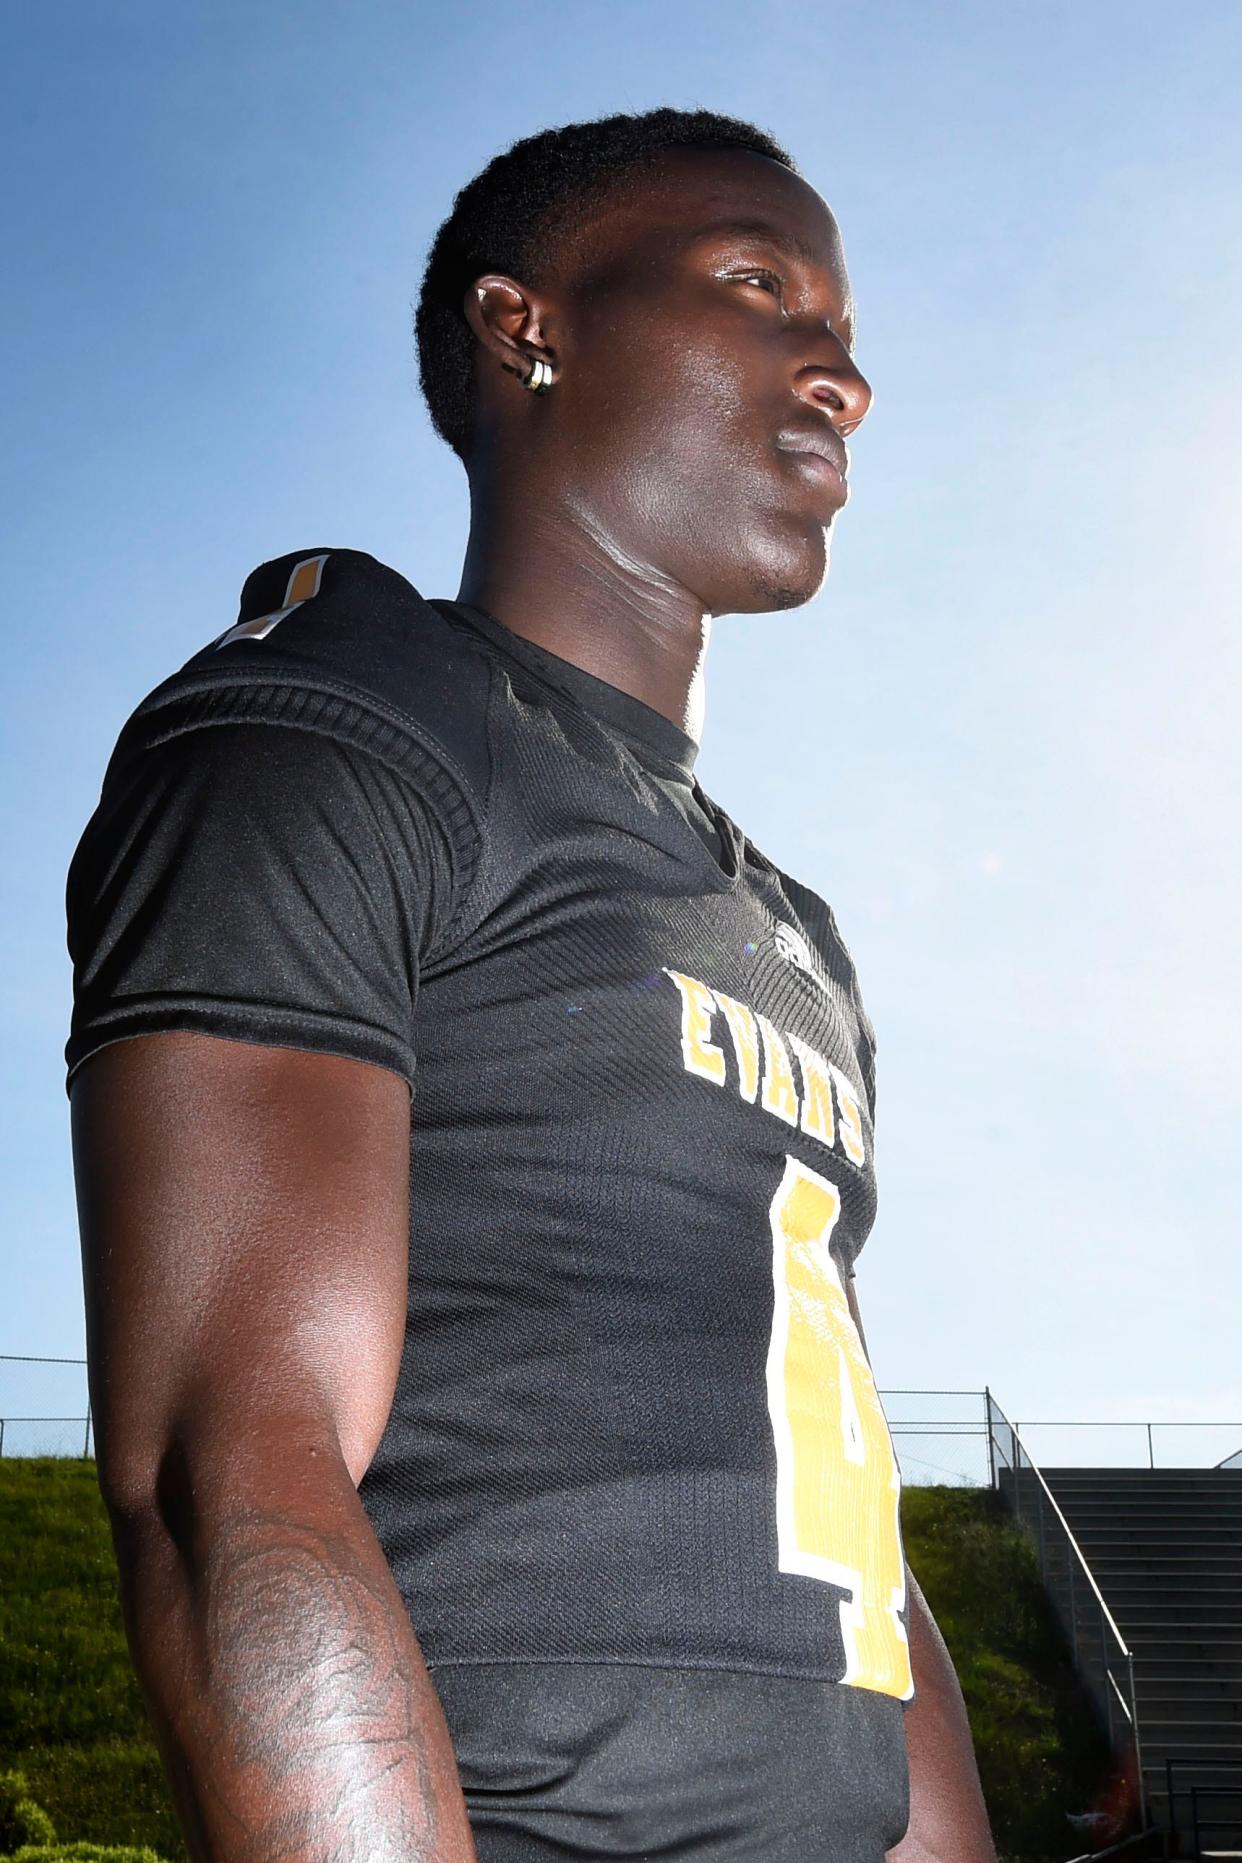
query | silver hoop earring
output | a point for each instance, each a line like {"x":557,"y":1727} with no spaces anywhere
{"x":540,"y":378}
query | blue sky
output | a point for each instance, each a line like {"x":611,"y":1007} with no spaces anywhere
{"x":1003,"y":740}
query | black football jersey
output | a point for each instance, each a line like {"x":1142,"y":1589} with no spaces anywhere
{"x":634,"y":1423}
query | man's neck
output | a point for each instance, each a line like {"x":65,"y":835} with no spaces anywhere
{"x":555,"y":581}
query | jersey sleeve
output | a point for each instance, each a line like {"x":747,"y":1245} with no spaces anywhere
{"x":259,"y":882}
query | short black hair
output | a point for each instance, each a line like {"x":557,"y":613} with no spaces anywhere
{"x":502,"y":222}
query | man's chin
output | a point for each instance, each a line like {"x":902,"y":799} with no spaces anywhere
{"x":790,"y":580}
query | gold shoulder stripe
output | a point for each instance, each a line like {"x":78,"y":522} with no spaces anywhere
{"x":303,"y":586}
{"x":305,"y":580}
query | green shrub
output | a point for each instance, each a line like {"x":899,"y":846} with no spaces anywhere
{"x":27,"y":1834}
{"x":81,"y":1853}
{"x":113,"y":1793}
{"x":22,"y":1821}
{"x":1041,"y":1753}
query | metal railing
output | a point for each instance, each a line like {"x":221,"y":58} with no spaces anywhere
{"x":941,"y":1437}
{"x":1101,"y":1654}
{"x":1148,"y":1427}
{"x":935,"y":1448}
{"x":1203,"y":1827}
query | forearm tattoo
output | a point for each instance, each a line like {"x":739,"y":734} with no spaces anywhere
{"x":316,"y":1734}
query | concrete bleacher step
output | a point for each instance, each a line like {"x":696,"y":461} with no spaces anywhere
{"x":1222,"y":1483}
{"x":1174,"y":1521}
{"x":1210,"y":1534}
{"x":1228,"y":1802}
{"x":1162,"y":1696}
{"x":1170,"y":1521}
{"x":1117,"y":1476}
{"x":1137,"y":1586}
{"x":1149,"y":1669}
{"x":1206,"y":1625}
{"x":1214,"y":1538}
{"x":1159,"y":1483}
{"x":1169,"y":1513}
{"x":1186,"y":1732}
{"x":1164,"y":1547}
{"x":1177,"y":1562}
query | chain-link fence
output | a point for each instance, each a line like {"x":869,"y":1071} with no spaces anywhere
{"x":44,"y":1406}
{"x":941,"y":1437}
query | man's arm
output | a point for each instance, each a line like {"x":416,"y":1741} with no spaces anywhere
{"x":244,"y":1216}
{"x":948,"y":1818}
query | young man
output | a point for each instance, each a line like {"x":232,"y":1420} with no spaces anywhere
{"x":473,"y":1129}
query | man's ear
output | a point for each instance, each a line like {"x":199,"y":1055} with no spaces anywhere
{"x":510,"y":322}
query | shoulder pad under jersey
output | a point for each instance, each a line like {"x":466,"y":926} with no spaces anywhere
{"x":335,"y":624}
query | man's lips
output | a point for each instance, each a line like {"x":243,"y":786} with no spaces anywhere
{"x":821,"y":457}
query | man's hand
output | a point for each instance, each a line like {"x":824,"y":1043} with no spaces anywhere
{"x":244,"y":1215}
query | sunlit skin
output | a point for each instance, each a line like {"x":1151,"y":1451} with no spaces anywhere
{"x":647,"y":491}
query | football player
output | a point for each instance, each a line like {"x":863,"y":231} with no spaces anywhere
{"x":473,"y":1128}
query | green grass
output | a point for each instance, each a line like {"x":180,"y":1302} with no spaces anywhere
{"x":1040,"y":1751}
{"x":72,"y":1720}
{"x":71,"y":1717}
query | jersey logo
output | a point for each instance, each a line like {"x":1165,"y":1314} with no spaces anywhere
{"x":793,"y":947}
{"x":303,"y":586}
{"x":795,"y":950}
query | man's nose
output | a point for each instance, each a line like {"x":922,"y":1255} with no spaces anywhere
{"x":836,"y":383}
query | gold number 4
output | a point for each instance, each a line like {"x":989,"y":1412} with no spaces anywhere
{"x":837,"y":1481}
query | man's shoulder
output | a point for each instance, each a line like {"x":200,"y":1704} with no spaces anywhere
{"x":336,"y":642}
